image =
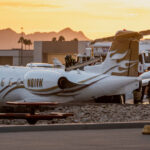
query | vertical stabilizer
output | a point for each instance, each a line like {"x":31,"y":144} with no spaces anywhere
{"x":122,"y":58}
{"x":124,"y":51}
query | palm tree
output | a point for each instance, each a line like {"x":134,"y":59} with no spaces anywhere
{"x":29,"y":43}
{"x":21,"y":40}
{"x":54,"y":39}
{"x":25,"y":42}
{"x":61,"y":38}
{"x":75,"y":39}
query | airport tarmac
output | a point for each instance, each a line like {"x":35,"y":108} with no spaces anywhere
{"x":114,"y":139}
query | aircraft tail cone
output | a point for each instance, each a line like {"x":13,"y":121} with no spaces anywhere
{"x":146,"y":129}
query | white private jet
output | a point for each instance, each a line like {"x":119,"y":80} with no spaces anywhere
{"x":116,"y":76}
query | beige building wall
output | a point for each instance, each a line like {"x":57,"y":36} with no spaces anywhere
{"x":27,"y":57}
{"x":10,"y":53}
{"x":37,"y":55}
{"x":45,"y":51}
{"x":16,"y":57}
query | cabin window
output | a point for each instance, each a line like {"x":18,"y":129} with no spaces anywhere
{"x":18,"y":82}
{"x":10,"y":82}
{"x":2,"y":82}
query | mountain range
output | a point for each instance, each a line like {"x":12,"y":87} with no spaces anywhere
{"x":9,"y":38}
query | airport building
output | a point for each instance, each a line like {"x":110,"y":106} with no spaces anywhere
{"x":44,"y":51}
{"x":16,"y":57}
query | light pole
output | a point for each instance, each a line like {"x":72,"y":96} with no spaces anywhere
{"x":21,"y":45}
{"x":22,"y":38}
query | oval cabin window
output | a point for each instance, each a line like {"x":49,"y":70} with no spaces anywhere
{"x":18,"y":82}
{"x":2,"y":82}
{"x":10,"y":82}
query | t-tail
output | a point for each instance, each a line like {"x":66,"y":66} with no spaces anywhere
{"x":122,"y":57}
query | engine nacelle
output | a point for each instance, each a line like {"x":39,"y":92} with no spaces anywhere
{"x":41,"y":80}
{"x":64,"y":83}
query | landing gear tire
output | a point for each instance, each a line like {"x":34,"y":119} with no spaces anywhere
{"x":32,"y":121}
{"x":148,"y":92}
{"x":143,"y":92}
{"x":137,"y":96}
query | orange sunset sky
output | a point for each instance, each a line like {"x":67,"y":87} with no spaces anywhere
{"x":96,"y":18}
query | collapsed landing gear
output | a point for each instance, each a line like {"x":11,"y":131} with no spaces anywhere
{"x":137,"y":97}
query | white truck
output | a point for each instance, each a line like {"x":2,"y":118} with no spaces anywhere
{"x":144,"y":56}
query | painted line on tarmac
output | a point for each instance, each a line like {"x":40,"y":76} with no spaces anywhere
{"x":83,"y":126}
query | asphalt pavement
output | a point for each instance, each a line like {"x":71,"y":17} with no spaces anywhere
{"x":110,"y":139}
